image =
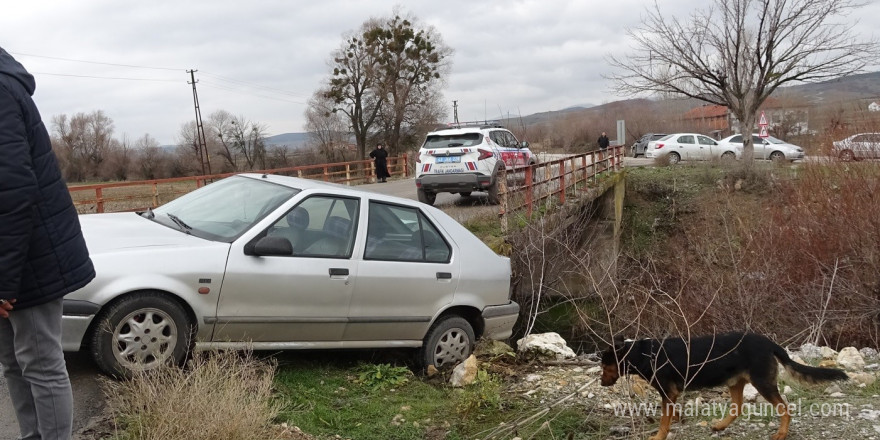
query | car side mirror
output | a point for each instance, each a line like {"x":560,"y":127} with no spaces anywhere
{"x":270,"y":245}
{"x":524,"y":144}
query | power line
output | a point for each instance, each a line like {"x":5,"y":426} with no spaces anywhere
{"x":231,"y":89}
{"x":105,"y":77}
{"x":234,"y":81}
{"x":93,"y":62}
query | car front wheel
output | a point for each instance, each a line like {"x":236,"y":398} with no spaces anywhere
{"x":847,"y":156}
{"x":141,"y":332}
{"x":777,"y":156}
{"x":449,"y":342}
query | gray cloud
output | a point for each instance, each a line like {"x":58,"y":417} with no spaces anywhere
{"x":510,"y":56}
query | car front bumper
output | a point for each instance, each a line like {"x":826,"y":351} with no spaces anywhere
{"x":499,"y":320}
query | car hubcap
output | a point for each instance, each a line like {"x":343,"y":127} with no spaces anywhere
{"x":144,"y":339}
{"x":452,"y":347}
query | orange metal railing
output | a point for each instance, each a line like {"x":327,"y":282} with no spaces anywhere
{"x":525,"y":188}
{"x":138,"y":195}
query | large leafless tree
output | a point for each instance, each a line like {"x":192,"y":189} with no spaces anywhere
{"x":736,"y":53}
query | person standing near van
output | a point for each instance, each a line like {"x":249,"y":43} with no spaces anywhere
{"x":43,"y":256}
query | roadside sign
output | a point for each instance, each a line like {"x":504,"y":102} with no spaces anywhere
{"x":762,"y":123}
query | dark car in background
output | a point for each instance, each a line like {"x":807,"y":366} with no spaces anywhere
{"x":641,"y":145}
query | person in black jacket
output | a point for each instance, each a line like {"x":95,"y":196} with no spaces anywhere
{"x":603,"y":142}
{"x":43,"y":256}
{"x":379,"y":155}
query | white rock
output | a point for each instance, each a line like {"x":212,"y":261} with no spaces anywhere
{"x":546,"y":345}
{"x":832,"y":389}
{"x":810,"y":351}
{"x":787,"y":390}
{"x":534,"y":377}
{"x":465,"y":373}
{"x":863,"y":378}
{"x":850,"y":359}
{"x":837,"y":395}
{"x":869,"y":354}
{"x":827,"y":353}
{"x":750,"y":394}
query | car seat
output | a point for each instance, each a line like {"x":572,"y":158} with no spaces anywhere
{"x":337,"y":232}
{"x":297,"y":222}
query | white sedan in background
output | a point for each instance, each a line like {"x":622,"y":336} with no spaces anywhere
{"x":768,"y":148}
{"x":689,"y":146}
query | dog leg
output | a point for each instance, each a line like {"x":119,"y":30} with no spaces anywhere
{"x":668,"y":410}
{"x":771,"y":393}
{"x":736,"y":401}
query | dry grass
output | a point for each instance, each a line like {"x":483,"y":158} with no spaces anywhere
{"x":225,"y":395}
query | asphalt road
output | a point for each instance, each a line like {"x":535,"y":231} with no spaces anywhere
{"x":89,"y":401}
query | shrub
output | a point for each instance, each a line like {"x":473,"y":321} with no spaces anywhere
{"x":219,"y":395}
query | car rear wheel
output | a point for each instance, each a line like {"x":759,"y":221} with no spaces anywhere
{"x":674,"y":158}
{"x":426,"y":197}
{"x":847,"y":156}
{"x":449,"y":342}
{"x":728,"y":157}
{"x":143,"y":331}
{"x":493,"y":193}
{"x":777,"y":156}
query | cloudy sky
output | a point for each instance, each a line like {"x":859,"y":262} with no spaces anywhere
{"x":262,"y":59}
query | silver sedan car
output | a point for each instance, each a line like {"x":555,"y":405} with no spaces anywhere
{"x":273,"y":262}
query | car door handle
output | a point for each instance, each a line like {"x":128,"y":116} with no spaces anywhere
{"x":444,"y":276}
{"x":335,"y":271}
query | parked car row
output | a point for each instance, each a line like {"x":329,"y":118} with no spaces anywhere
{"x":693,"y":146}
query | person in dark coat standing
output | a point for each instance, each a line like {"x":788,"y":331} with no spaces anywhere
{"x":380,"y":156}
{"x":603,"y":142}
{"x":43,"y":256}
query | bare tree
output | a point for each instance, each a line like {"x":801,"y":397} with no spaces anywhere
{"x":352,"y":86}
{"x":736,"y":53}
{"x":328,"y":130}
{"x":151,"y":159}
{"x":82,"y":141}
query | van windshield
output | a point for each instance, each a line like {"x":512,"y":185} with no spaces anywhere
{"x":453,"y":140}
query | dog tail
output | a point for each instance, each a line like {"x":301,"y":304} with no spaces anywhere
{"x":806,"y":373}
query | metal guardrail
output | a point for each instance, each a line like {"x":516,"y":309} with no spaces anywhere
{"x":139,"y":195}
{"x":557,"y":179}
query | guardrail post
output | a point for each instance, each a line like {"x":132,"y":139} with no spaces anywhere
{"x":562,"y":182}
{"x":99,"y":199}
{"x":505,"y":203}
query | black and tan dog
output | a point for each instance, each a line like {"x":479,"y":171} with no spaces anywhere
{"x":733,"y":359}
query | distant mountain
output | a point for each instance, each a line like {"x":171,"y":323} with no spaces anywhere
{"x":292,"y":140}
{"x":861,"y":86}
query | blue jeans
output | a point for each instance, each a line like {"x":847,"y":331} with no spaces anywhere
{"x":33,"y":364}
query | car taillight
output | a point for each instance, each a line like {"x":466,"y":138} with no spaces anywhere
{"x":658,"y":146}
{"x":484,"y":154}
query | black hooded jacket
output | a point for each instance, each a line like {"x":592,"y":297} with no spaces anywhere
{"x":43,"y":255}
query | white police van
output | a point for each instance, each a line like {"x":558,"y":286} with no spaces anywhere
{"x":467,"y":157}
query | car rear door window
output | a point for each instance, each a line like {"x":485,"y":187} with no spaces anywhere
{"x":687,"y":139}
{"x":398,"y":233}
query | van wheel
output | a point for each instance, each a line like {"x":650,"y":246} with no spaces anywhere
{"x":142,"y":332}
{"x":426,"y":197}
{"x":449,"y":341}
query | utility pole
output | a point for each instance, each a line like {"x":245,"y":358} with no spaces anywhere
{"x":200,"y":129}
{"x":455,"y":111}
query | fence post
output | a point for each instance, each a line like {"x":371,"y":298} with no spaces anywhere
{"x":326,"y":176}
{"x":99,"y":198}
{"x":405,"y":165}
{"x":562,"y":182}
{"x":155,"y":194}
{"x":347,"y":174}
{"x":502,"y":182}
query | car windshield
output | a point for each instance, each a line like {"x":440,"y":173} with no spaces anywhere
{"x":452,"y":140}
{"x":223,"y":210}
